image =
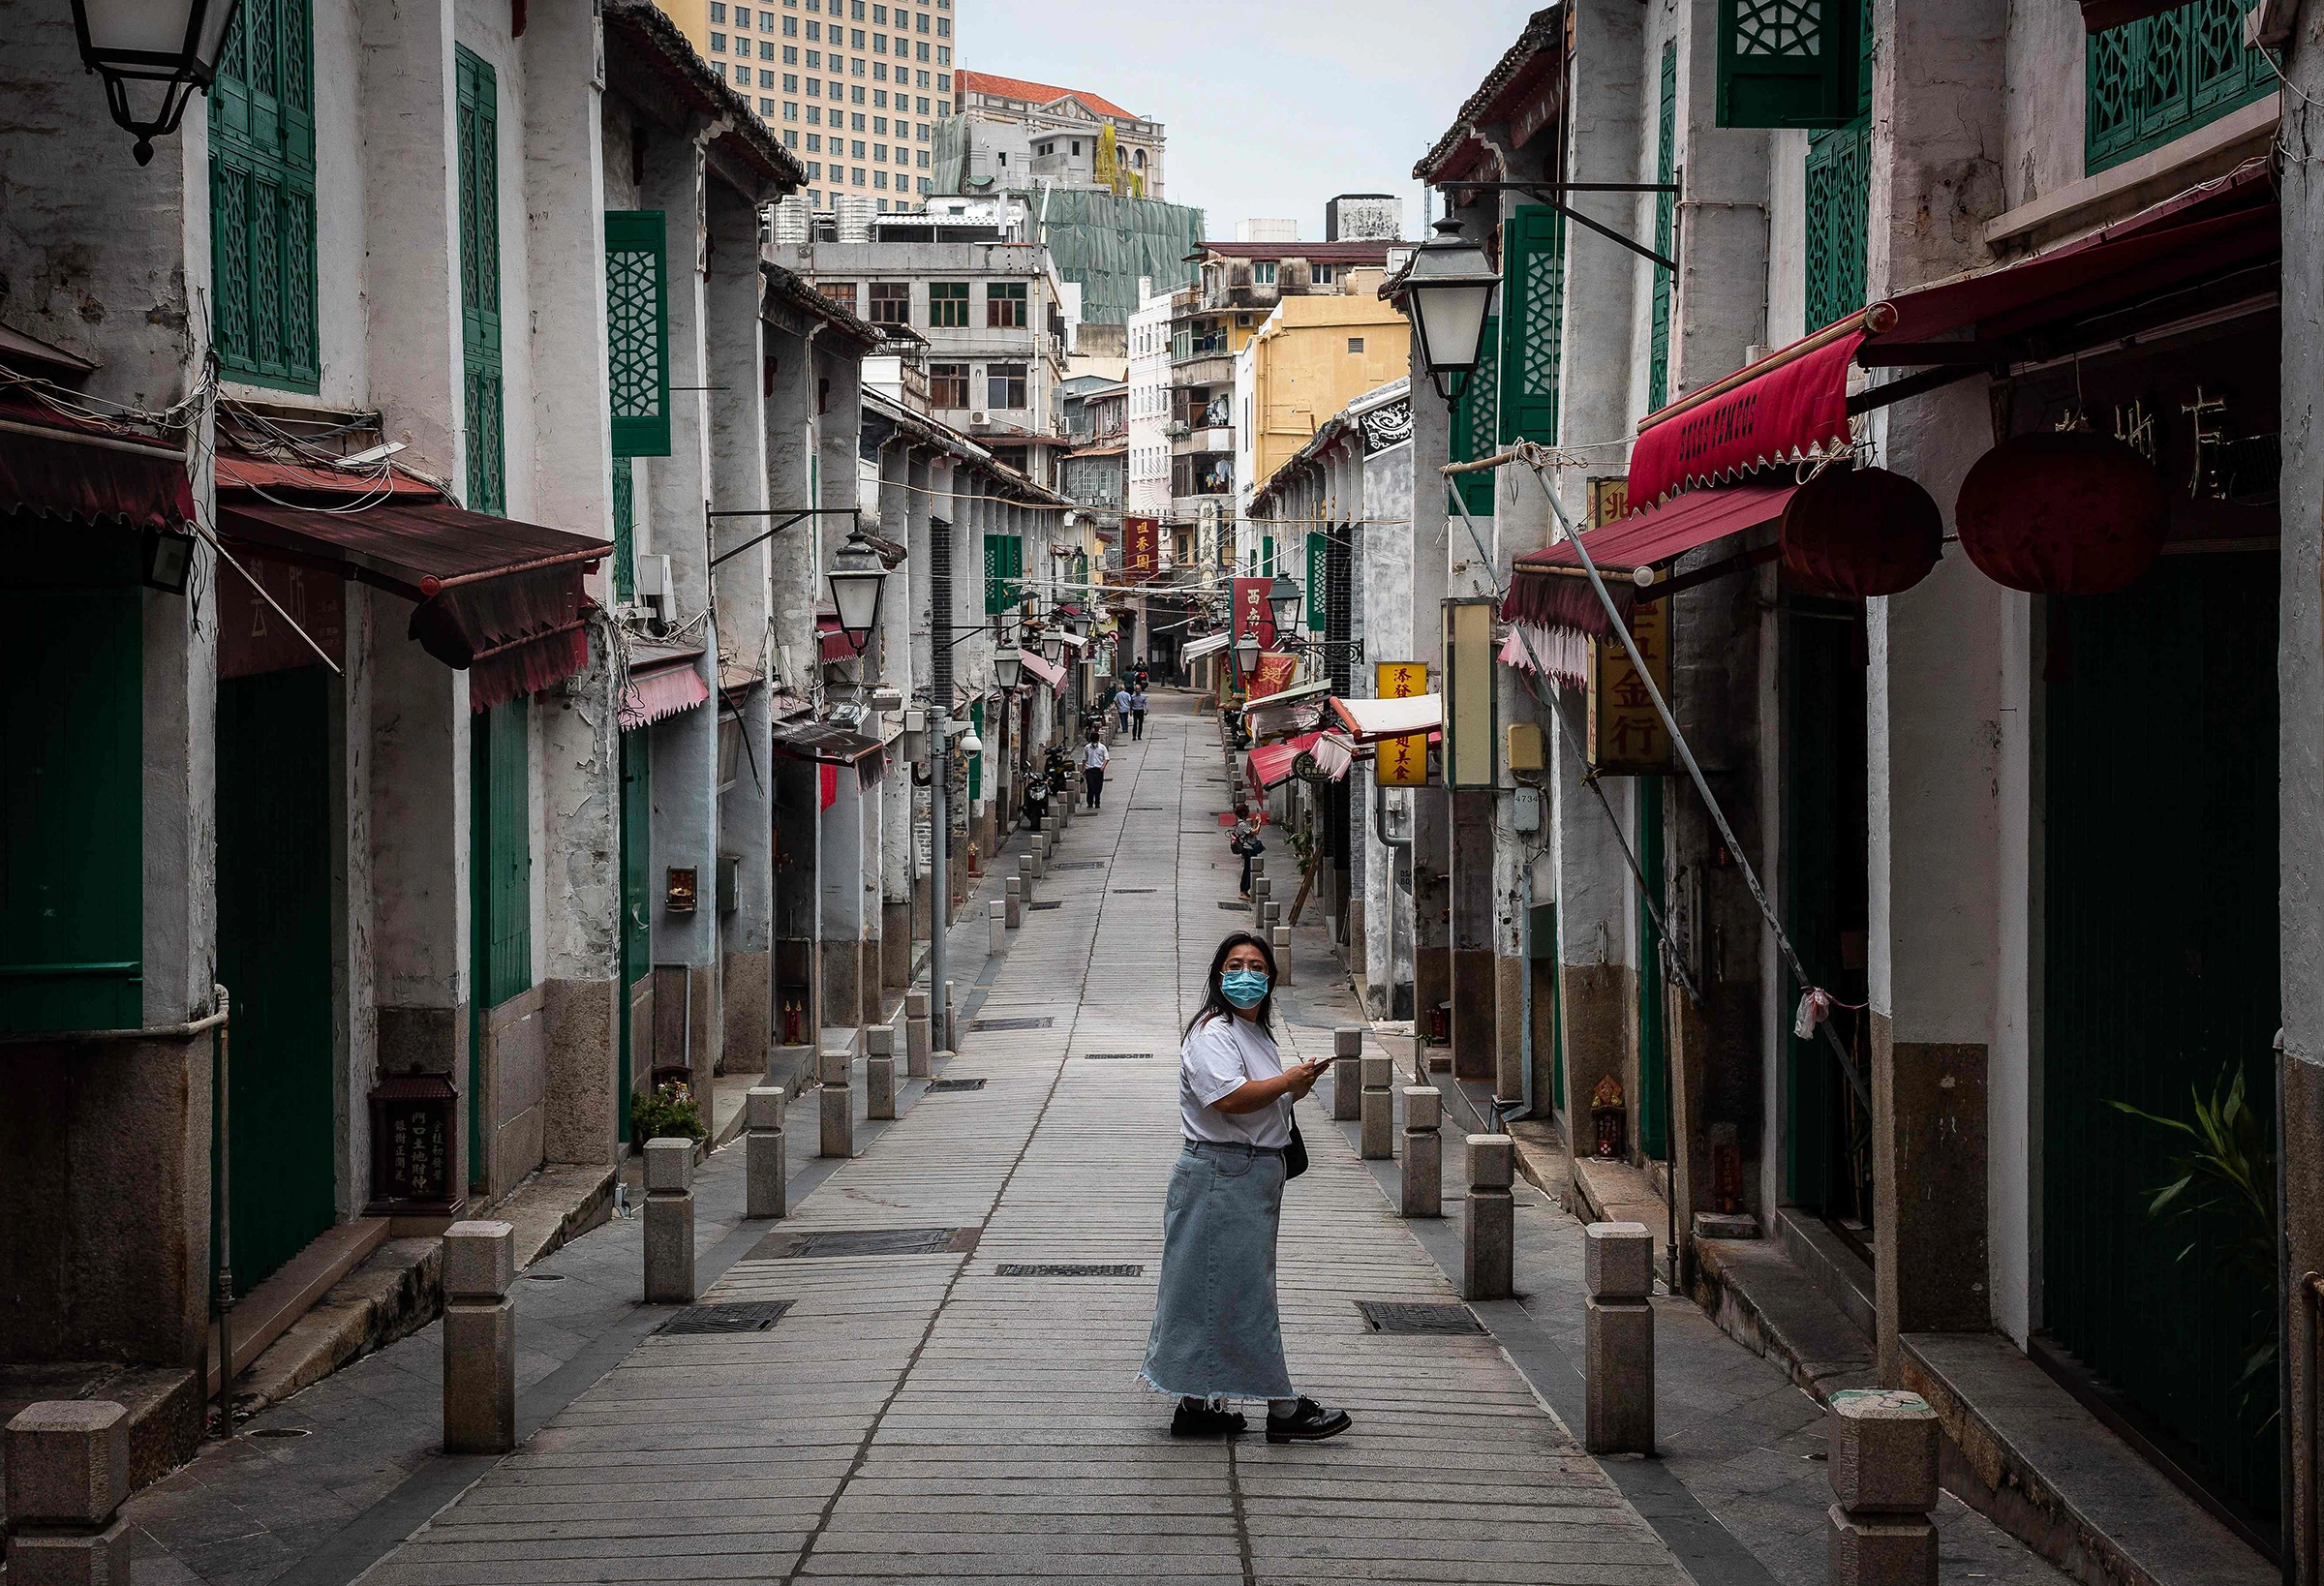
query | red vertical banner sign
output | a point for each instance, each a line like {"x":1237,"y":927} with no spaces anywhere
{"x":1252,"y":613}
{"x":1142,"y":548}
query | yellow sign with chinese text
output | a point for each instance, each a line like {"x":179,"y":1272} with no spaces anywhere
{"x":1625,"y":735}
{"x":1400,"y":680}
{"x":1401,"y":762}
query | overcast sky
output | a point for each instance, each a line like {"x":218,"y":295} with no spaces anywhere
{"x":1270,"y":108}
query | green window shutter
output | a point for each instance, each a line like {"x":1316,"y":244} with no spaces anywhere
{"x":72,"y":789}
{"x":1666,"y":226}
{"x":1267,"y":556}
{"x":1839,"y":198}
{"x":993,"y":603}
{"x":501,"y":856}
{"x":1533,"y":325}
{"x":637,"y":324}
{"x":479,"y":220}
{"x":1476,"y":420}
{"x":2162,"y":77}
{"x":1318,"y":553}
{"x":1790,"y":63}
{"x":262,"y":197}
{"x":624,"y":529}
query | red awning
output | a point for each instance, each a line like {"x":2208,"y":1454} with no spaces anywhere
{"x":1271,"y":763}
{"x":1543,"y":595}
{"x":1368,"y":720}
{"x":495,"y":598}
{"x":827,"y":743}
{"x":833,"y":640}
{"x":661,"y":683}
{"x":1045,"y":670}
{"x":1793,"y":404}
{"x":69,"y":467}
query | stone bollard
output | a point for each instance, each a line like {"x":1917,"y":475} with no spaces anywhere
{"x":996,"y":926}
{"x":1012,"y":909}
{"x":1024,"y":879}
{"x":479,"y":1335}
{"x":1347,"y":1074}
{"x":1883,"y":1473}
{"x":1280,"y":940}
{"x":1424,"y":1184}
{"x":835,"y":1068}
{"x":68,"y":1471}
{"x":1029,"y":862}
{"x":767,"y":1191}
{"x":1488,"y":1223}
{"x":1271,"y":918}
{"x":952,"y":1021}
{"x":1379,"y":1114}
{"x":916,"y":1044}
{"x":1258,"y":890}
{"x":879,"y":1071}
{"x":1618,"y":1351}
{"x":669,"y":1222}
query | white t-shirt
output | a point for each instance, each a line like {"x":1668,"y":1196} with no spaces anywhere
{"x":1122,"y":699}
{"x":1094,"y":757}
{"x":1219,"y":1056}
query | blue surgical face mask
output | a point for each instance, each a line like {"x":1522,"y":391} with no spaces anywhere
{"x":1244,"y":988}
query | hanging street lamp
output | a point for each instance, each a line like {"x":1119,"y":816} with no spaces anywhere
{"x":1283,"y":596}
{"x":1246,"y":654}
{"x":858,"y":578}
{"x":1008,"y":665}
{"x":166,"y":47}
{"x":1449,"y":290}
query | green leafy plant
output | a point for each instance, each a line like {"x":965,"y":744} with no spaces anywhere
{"x":2226,"y":1181}
{"x":668,"y":1111}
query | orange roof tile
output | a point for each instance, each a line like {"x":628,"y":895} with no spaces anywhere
{"x":1037,"y":93}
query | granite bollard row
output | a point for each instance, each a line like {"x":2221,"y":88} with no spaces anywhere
{"x":1347,"y":1074}
{"x":1619,"y":1348}
{"x":68,"y":1474}
{"x":669,"y":1222}
{"x":479,"y":1335}
{"x":834,"y":1072}
{"x":879,"y":1071}
{"x":766,"y":1191}
{"x":1423,"y":1185}
{"x":916,"y":1044}
{"x":1884,"y":1446}
{"x":1488,"y":1222}
{"x":1378,"y":1111}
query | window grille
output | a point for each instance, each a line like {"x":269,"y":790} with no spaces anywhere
{"x":1666,"y":226}
{"x":1838,"y":202}
{"x":478,"y":134}
{"x":1532,"y":323}
{"x":1792,"y":63}
{"x":637,"y":322}
{"x":2162,"y":77}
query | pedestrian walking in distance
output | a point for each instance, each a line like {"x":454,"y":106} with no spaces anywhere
{"x":1093,"y":769}
{"x":1121,"y":709}
{"x":1217,"y":1336}
{"x":1247,"y":846}
{"x":1137,"y":712}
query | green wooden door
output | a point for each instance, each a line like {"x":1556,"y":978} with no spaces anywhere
{"x":2161,"y":942}
{"x":637,"y":935}
{"x":1654,"y":1045}
{"x":72,"y":791}
{"x":274,"y":957}
{"x":500,"y":889}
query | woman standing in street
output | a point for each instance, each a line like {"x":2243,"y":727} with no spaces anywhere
{"x":1137,"y":712}
{"x":1093,"y":769}
{"x":1216,"y":1334}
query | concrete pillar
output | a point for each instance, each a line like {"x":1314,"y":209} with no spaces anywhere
{"x":1618,"y":1351}
{"x":1012,"y":909}
{"x":996,"y":934}
{"x":1347,"y":1075}
{"x":835,"y":1070}
{"x":1423,"y":1190}
{"x":1884,"y":1474}
{"x":840,"y":896}
{"x":1379,"y":1116}
{"x":1488,"y":1220}
{"x":1475,"y":989}
{"x":669,"y":1246}
{"x":68,"y":1472}
{"x":1279,"y":938}
{"x":766,"y":1188}
{"x":479,"y":1337}
{"x":915,"y":1034}
{"x":879,"y":1071}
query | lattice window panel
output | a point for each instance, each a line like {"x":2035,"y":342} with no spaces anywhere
{"x":624,"y":528}
{"x":1476,"y":420}
{"x":1780,"y":28}
{"x":1665,"y":227}
{"x":1792,"y":63}
{"x":477,"y":138}
{"x":1839,"y":197}
{"x":262,"y":197}
{"x":1533,"y":323}
{"x":2162,"y":77}
{"x":637,"y":322}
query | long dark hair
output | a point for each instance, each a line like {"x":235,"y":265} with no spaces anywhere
{"x":1214,"y":996}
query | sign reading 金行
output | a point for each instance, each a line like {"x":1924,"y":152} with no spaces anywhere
{"x":1142,"y":548}
{"x":1400,"y":762}
{"x":1626,"y":736}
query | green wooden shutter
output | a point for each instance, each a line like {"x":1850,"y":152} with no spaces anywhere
{"x":1015,"y":592}
{"x":2154,"y":80}
{"x":624,"y":528}
{"x":262,"y":197}
{"x":1267,"y":556}
{"x":1533,"y":323}
{"x":976,"y":762}
{"x":1839,"y":197}
{"x":1790,"y":63}
{"x":637,"y":324}
{"x":501,"y":860}
{"x":72,"y":790}
{"x":1476,"y":419}
{"x":994,"y":604}
{"x":1319,"y":557}
{"x":1666,"y":226}
{"x":478,"y":137}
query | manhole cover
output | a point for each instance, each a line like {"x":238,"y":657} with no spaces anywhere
{"x":1126,"y":892}
{"x":278,"y":1431}
{"x":982,"y":1024}
{"x":1054,"y":902}
{"x":1240,"y":908}
{"x":756,"y":1316}
{"x":1020,"y":1268}
{"x":822,"y":1245}
{"x":1114,"y":1057}
{"x":1401,"y":1316}
{"x":1081,"y":864}
{"x":956,"y":1085}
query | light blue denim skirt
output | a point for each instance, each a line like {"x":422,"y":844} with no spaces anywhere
{"x":1217,"y":1330}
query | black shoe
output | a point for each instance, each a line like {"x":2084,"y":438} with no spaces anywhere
{"x":1195,"y":1419}
{"x":1309,"y":1422}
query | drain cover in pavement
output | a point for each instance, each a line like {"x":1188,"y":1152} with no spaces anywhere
{"x":982,"y":1024}
{"x":754,"y":1317}
{"x":1054,"y":902}
{"x":1240,"y":908}
{"x":1081,"y":864}
{"x":1020,"y":1268}
{"x":956,"y":1085}
{"x":1114,"y":1056}
{"x":1392,"y":1316}
{"x":790,"y":1244}
{"x":1123,"y":892}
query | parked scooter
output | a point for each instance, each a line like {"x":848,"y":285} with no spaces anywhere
{"x":1037,"y":799}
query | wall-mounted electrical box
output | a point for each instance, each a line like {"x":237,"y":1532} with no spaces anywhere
{"x":1522,"y":748}
{"x":1526,"y":815}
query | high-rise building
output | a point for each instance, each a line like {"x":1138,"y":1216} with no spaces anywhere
{"x":856,"y":87}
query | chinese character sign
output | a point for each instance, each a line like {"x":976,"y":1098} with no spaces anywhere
{"x":1252,"y":613}
{"x":1625,"y":735}
{"x":1272,"y":675}
{"x":1400,"y":680}
{"x":1401,"y":762}
{"x":1143,"y":546}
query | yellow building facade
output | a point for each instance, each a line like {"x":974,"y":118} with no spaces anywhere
{"x":1311,"y":357}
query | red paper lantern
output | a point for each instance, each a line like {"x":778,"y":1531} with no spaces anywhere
{"x":2062,"y":513}
{"x":1857,"y":532}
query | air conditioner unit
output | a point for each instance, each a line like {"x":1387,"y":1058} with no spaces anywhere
{"x":977,"y":419}
{"x":654,"y":587}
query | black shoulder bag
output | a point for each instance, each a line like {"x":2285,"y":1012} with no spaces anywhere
{"x":1295,"y":1155}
